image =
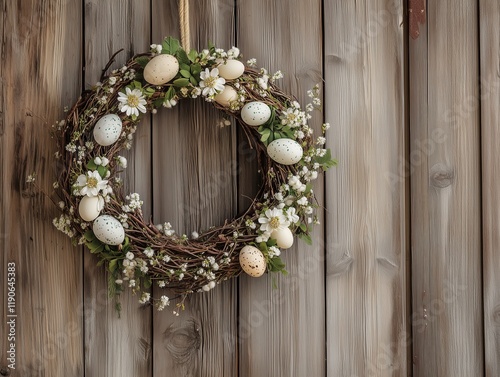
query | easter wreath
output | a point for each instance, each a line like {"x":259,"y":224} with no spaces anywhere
{"x":138,"y":253}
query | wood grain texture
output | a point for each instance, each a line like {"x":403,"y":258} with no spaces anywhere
{"x":367,"y":332}
{"x":40,"y":70}
{"x":282,"y":329}
{"x":489,"y":21}
{"x":445,"y":184}
{"x":118,"y":346}
{"x":194,"y":181}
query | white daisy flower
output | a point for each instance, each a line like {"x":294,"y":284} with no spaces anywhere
{"x":211,"y":83}
{"x":131,"y":102}
{"x":91,"y":183}
{"x":273,"y":219}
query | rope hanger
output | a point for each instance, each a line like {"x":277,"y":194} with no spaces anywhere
{"x":184,"y":24}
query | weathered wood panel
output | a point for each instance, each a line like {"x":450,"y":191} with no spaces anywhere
{"x":489,"y":21}
{"x":282,"y":330}
{"x":116,"y":345}
{"x":367,"y":331}
{"x":445,"y":183}
{"x":194,"y":187}
{"x":40,"y":70}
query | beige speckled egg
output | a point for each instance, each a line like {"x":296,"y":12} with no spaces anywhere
{"x":252,"y":261}
{"x":226,"y":96}
{"x":108,"y":230}
{"x":90,"y":207}
{"x":255,"y":113}
{"x":161,"y":69}
{"x":231,"y":69}
{"x":107,"y":130}
{"x":283,"y":237}
{"x":285,"y":151}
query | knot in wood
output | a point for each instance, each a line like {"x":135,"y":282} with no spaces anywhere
{"x":441,"y":176}
{"x":496,"y":315}
{"x":4,"y":371}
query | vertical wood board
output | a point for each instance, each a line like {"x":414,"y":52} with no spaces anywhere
{"x":366,"y":289}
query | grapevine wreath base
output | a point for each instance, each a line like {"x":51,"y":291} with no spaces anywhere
{"x":138,"y":253}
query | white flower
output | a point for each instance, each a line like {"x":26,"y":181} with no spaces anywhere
{"x":104,"y":161}
{"x":325,"y":126}
{"x":274,"y":252}
{"x":263,"y":237}
{"x":250,"y":224}
{"x":164,"y":301}
{"x":278,"y":196}
{"x":195,"y":235}
{"x":302,"y":201}
{"x":91,"y":183}
{"x":149,"y":252}
{"x":252,"y":62}
{"x":166,"y":258}
{"x":211,"y":83}
{"x":129,"y":255}
{"x":145,"y":298}
{"x":233,"y":52}
{"x":273,"y":219}
{"x":291,"y":214}
{"x":131,"y":102}
{"x":97,"y":160}
{"x":122,"y":161}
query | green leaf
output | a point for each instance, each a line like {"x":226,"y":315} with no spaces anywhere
{"x":89,"y":236}
{"x":113,"y":264}
{"x":102,"y":170}
{"x":195,"y":69}
{"x":193,"y":54}
{"x":276,"y":265}
{"x":193,"y":81}
{"x":91,"y":165}
{"x":305,"y":237}
{"x":185,"y":73}
{"x":181,"y":82}
{"x":170,"y":93}
{"x":147,"y":283}
{"x":182,"y":57}
{"x":265,"y":135}
{"x":142,"y":61}
{"x":185,"y":67}
{"x":170,"y":46}
{"x":95,"y":246}
{"x":326,"y":161}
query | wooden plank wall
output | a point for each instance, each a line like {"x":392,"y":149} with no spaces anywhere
{"x":403,"y":276}
{"x":367,"y":244}
{"x":444,"y":161}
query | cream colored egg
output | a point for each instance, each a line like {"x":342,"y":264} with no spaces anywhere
{"x":90,"y":207}
{"x":161,"y":69}
{"x":108,"y":230}
{"x":255,"y":113}
{"x":107,"y":130}
{"x":285,"y":151}
{"x":225,"y":97}
{"x":283,"y":237}
{"x":231,"y":69}
{"x":252,"y":261}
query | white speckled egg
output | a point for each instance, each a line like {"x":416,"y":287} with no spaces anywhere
{"x":252,"y":261}
{"x":285,"y":151}
{"x":108,"y":230}
{"x":107,"y":130}
{"x":283,"y":237}
{"x":226,"y":96}
{"x":90,"y":207}
{"x":232,"y":69}
{"x":161,"y":69}
{"x":255,"y":113}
